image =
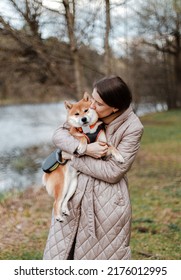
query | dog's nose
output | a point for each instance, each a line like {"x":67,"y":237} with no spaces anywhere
{"x":84,"y":119}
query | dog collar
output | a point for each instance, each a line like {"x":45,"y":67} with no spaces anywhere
{"x":86,"y":129}
{"x":92,"y":136}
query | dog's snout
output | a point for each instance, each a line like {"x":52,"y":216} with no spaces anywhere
{"x":84,"y":120}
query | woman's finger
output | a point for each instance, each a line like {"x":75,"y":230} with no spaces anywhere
{"x":102,"y":143}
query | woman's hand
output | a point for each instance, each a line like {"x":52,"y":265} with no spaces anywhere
{"x":66,"y":155}
{"x":96,"y":149}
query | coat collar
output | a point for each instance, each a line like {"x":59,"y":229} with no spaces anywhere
{"x":116,"y":122}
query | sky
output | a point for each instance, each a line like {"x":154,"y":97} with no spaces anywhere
{"x":121,"y":32}
{"x":119,"y":35}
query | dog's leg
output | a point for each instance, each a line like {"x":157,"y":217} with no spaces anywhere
{"x":82,"y":146}
{"x":59,"y":202}
{"x":111,"y":150}
{"x":57,"y":210}
{"x":115,"y":153}
{"x":70,"y":191}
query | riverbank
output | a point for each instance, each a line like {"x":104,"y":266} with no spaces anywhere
{"x":155,"y":190}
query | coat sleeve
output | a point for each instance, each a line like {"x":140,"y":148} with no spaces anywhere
{"x":64,"y":140}
{"x":110,"y":170}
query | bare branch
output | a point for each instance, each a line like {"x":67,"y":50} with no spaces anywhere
{"x":164,"y":49}
{"x":15,"y":35}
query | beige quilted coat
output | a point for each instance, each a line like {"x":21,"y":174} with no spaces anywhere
{"x":100,"y":217}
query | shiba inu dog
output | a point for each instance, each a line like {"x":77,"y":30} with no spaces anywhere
{"x":84,"y":126}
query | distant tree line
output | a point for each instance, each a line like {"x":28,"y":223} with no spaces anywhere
{"x":38,"y":68}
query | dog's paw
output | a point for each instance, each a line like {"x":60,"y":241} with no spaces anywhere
{"x":65,"y":211}
{"x":82,"y":148}
{"x":66,"y":155}
{"x":119,"y":157}
{"x":59,"y":218}
{"x":116,"y":154}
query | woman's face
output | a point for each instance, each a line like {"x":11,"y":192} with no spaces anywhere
{"x":102,"y":109}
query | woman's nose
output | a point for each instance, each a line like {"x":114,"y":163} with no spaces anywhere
{"x":93,"y":106}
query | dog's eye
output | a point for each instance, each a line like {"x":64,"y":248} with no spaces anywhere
{"x":76,"y":114}
{"x":86,"y":110}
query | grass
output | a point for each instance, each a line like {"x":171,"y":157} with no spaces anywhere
{"x":155,"y":190}
{"x":25,"y":219}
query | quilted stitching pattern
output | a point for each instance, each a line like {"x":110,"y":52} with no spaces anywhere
{"x":58,"y":239}
{"x":112,"y":224}
{"x":111,"y":231}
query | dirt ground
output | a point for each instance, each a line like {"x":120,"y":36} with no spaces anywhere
{"x":24,"y":223}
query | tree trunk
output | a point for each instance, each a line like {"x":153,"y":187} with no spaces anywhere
{"x":78,"y":75}
{"x":177,"y":100}
{"x":107,"y":53}
{"x":70,"y":20}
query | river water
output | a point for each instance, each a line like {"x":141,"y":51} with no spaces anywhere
{"x":26,"y":139}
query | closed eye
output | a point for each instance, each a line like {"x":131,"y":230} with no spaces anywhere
{"x":86,"y":110}
{"x":76,"y":114}
{"x":94,"y":101}
{"x":99,"y":104}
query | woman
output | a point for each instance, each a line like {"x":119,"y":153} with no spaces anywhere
{"x":99,"y":224}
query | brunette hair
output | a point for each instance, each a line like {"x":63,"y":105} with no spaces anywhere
{"x":114,"y":92}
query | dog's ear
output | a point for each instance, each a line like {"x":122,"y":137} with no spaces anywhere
{"x":86,"y":96}
{"x":68,"y":105}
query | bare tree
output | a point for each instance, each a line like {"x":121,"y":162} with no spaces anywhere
{"x":70,"y":11}
{"x":162,"y":22}
{"x":149,"y":79}
{"x":29,"y":39}
{"x":110,"y":7}
{"x":40,"y":59}
{"x":79,"y":27}
{"x":66,"y":57}
{"x":107,"y":49}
